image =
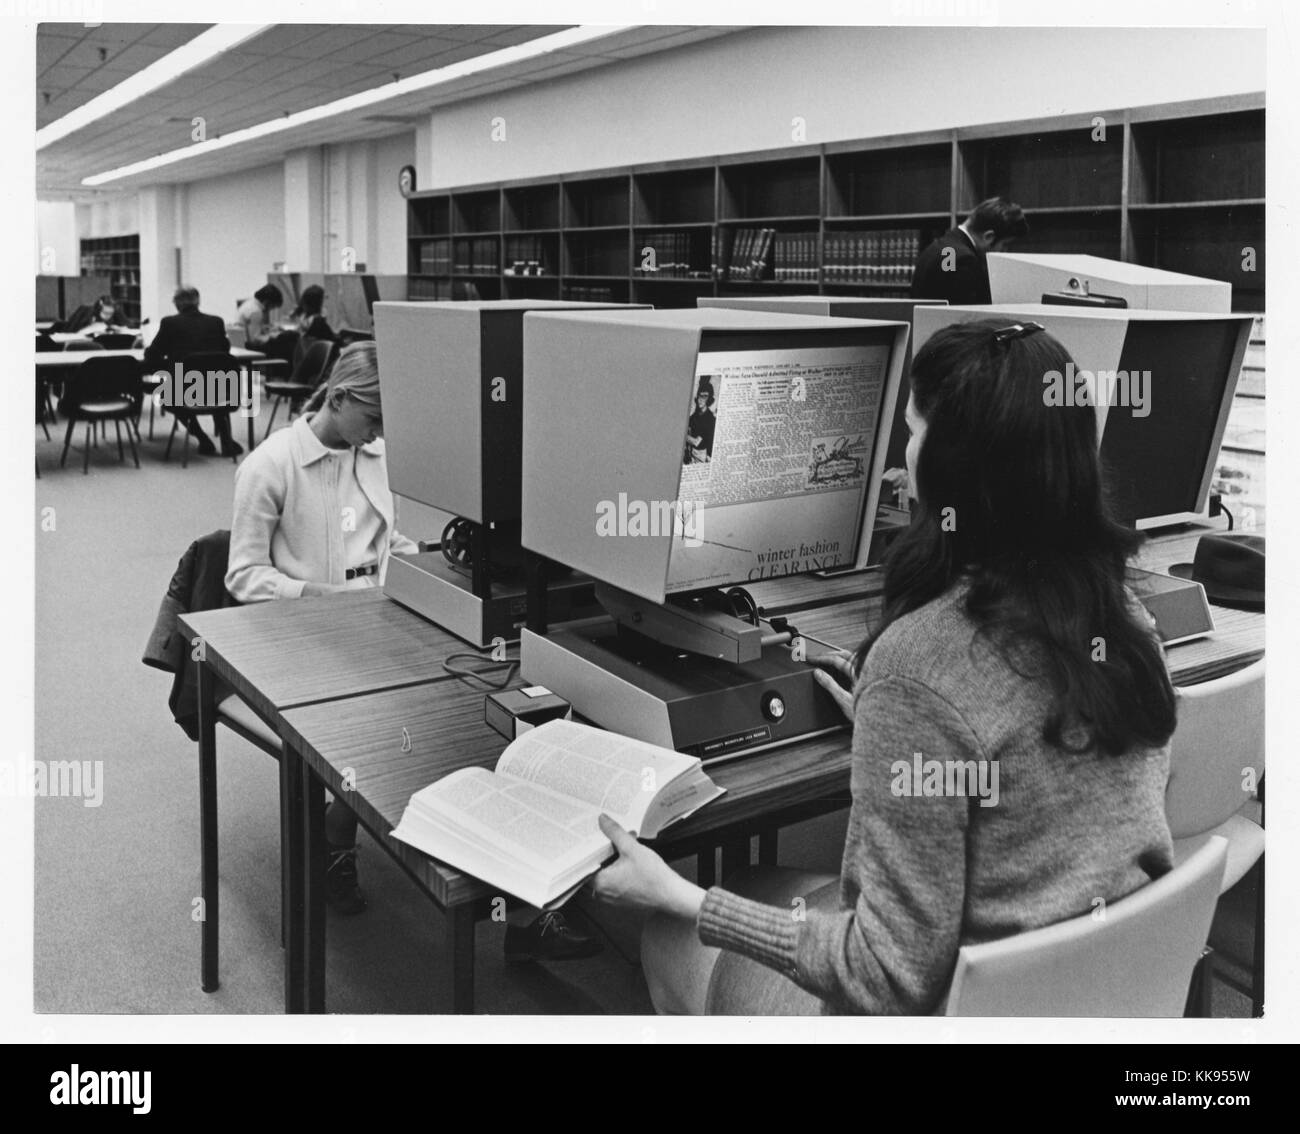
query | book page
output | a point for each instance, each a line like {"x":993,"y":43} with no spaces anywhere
{"x":545,"y":830}
{"x":604,"y":770}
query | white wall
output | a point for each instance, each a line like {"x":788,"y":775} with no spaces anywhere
{"x":740,"y":93}
{"x":366,"y":212}
{"x":232,"y":231}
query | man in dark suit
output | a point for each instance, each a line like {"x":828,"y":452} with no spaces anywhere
{"x":955,"y":267}
{"x":188,"y":332}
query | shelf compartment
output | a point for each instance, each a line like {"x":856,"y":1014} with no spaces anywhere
{"x":1217,"y":156}
{"x":428,"y":216}
{"x":531,"y":256}
{"x":788,"y":189}
{"x":597,"y":203}
{"x":477,"y":211}
{"x":674,"y":253}
{"x":603,"y":253}
{"x":532,"y":207}
{"x":685,"y":196}
{"x":1061,"y":169}
{"x":1094,"y":232}
{"x":889,"y":181}
{"x":1210,"y":241}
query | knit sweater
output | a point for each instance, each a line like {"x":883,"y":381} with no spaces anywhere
{"x":924,"y":874}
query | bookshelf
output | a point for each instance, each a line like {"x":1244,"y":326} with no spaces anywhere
{"x":1177,"y":186}
{"x":118,"y":259}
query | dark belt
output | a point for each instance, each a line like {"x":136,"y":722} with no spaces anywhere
{"x":360,"y":572}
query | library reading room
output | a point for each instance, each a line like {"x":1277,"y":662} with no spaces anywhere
{"x":577,"y":519}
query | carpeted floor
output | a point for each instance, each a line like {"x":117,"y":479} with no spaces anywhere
{"x":116,"y":883}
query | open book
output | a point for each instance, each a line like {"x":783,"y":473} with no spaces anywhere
{"x":530,"y":825}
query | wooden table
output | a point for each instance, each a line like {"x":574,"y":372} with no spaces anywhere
{"x":277,"y":655}
{"x":354,"y":686}
{"x":364,"y":738}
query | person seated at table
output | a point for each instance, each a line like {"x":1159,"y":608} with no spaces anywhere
{"x":95,"y":318}
{"x":188,"y":332}
{"x":1007,"y":639}
{"x":310,"y":315}
{"x":260,"y":332}
{"x":313,"y":515}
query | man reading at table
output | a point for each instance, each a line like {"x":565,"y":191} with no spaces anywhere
{"x":188,"y":332}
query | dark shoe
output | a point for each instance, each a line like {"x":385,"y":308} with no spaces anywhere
{"x":341,"y":889}
{"x":206,"y":447}
{"x":231,"y":448}
{"x":549,"y":938}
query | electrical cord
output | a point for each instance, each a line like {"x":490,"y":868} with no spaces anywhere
{"x":1231,"y":522}
{"x":509,"y":664}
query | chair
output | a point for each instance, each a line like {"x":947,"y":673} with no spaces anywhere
{"x":306,"y":376}
{"x":218,"y":406}
{"x":102,"y":390}
{"x":1137,"y":961}
{"x":1220,"y":735}
{"x":44,"y":403}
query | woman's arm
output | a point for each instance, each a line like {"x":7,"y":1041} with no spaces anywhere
{"x":903,"y":875}
{"x":251,"y":576}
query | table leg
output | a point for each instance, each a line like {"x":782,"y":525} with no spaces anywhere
{"x":767,"y":844}
{"x":735,"y":856}
{"x":313,"y":847}
{"x":454,"y":961}
{"x":208,"y":824}
{"x":292,"y":898}
{"x":706,"y":867}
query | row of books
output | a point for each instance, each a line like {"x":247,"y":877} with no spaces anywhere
{"x":428,"y":289}
{"x":794,"y":257}
{"x":528,"y":256}
{"x":581,"y":294}
{"x":877,"y":256}
{"x":476,"y":256}
{"x":435,"y":258}
{"x":750,"y":249}
{"x":666,"y":254}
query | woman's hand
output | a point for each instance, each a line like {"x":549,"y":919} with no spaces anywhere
{"x":641,"y":880}
{"x":828,"y":666}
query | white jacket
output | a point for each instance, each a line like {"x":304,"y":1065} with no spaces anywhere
{"x":283,"y":535}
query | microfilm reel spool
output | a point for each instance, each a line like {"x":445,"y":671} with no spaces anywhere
{"x":456,"y":543}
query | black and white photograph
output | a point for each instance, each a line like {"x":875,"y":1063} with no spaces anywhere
{"x":363,"y":672}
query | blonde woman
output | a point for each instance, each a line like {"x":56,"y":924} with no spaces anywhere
{"x":313,"y":515}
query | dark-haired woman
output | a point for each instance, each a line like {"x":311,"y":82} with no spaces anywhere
{"x":256,"y":315}
{"x":1008,"y":645}
{"x":93,"y":319}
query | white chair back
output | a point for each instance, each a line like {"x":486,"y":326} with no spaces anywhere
{"x":1220,"y":735}
{"x":1132,"y":958}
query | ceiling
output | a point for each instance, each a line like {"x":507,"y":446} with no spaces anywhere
{"x":284,"y":69}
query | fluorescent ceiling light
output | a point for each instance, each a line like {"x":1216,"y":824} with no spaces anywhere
{"x":571,"y":37}
{"x":203,"y":48}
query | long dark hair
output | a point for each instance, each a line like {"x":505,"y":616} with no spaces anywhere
{"x":1010,"y":498}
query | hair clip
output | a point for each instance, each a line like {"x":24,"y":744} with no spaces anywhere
{"x":1016,"y":331}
